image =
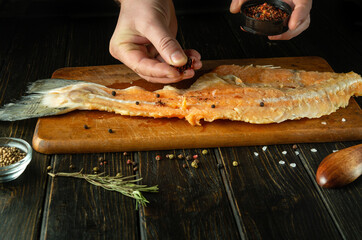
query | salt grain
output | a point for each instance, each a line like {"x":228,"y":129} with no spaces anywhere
{"x":264,"y":148}
{"x":256,"y":154}
{"x":313,"y":150}
{"x":343,"y":119}
{"x":281,"y":162}
{"x":324,"y":123}
{"x":296,"y":153}
{"x":284,"y":152}
{"x":335,"y":150}
{"x":293,"y":165}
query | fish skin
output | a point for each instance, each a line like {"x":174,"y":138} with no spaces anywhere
{"x":254,"y":94}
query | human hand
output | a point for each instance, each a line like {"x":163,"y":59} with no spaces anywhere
{"x":145,"y":40}
{"x":298,"y":22}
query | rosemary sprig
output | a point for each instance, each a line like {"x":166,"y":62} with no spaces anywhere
{"x":125,"y":185}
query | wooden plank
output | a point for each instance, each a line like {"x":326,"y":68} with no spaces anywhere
{"x":65,"y":134}
{"x":273,"y":200}
{"x":22,"y":199}
{"x":74,"y":207}
{"x":192,"y":203}
{"x":343,"y":203}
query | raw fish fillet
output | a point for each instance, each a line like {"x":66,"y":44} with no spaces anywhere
{"x":254,"y":94}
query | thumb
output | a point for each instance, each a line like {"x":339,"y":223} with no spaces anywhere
{"x":167,"y":46}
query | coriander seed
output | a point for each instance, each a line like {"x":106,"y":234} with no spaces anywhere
{"x":204,"y":152}
{"x":235,"y":163}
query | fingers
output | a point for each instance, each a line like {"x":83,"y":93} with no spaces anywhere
{"x":298,"y":22}
{"x":236,"y":5}
{"x":167,"y":46}
{"x":292,"y":33}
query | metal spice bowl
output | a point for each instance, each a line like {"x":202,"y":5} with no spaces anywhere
{"x":267,"y":28}
{"x":13,"y":171}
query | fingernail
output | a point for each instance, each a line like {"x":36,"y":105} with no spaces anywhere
{"x":177,"y":58}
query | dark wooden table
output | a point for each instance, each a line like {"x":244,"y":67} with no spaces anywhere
{"x":257,"y":200}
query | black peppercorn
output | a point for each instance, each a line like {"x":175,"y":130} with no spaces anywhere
{"x":213,"y":106}
{"x":85,"y":126}
{"x":261,"y":104}
{"x":137,"y":103}
{"x":110,"y":130}
{"x":113,"y":93}
{"x":157,"y":95}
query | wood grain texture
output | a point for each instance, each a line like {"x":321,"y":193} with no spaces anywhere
{"x":65,"y":133}
{"x":190,"y":200}
{"x":273,"y":199}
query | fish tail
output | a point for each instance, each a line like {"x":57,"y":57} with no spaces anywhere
{"x":31,"y":106}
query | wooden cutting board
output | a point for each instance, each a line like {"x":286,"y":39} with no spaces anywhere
{"x":66,"y":133}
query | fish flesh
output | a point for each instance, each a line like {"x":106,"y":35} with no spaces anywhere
{"x":253,"y":94}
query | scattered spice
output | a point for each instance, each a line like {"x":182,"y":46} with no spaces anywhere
{"x":113,"y":93}
{"x":71,"y":166}
{"x":197,"y":161}
{"x":157,"y":95}
{"x":110,"y":130}
{"x":100,"y":159}
{"x":125,"y":154}
{"x":195,"y":156}
{"x":188,"y":157}
{"x":184,"y":165}
{"x":324,"y":123}
{"x":281,"y":162}
{"x":105,"y":162}
{"x":135,"y":169}
{"x":213,"y":106}
{"x":266,"y":12}
{"x":261,"y":104}
{"x":295,"y":146}
{"x":189,"y":65}
{"x":235,"y":163}
{"x":343,"y":119}
{"x":10,"y":155}
{"x":296,"y":153}
{"x":129,"y":161}
{"x":171,"y":156}
{"x":293,"y":165}
{"x":158,"y":157}
{"x":284,"y":152}
{"x":180,"y":156}
{"x":118,"y":175}
{"x":95,"y":169}
{"x":86,"y":126}
{"x":49,"y":168}
{"x":264,"y":148}
{"x":125,"y":185}
{"x":335,"y":151}
{"x":137,"y":102}
{"x":204,"y":152}
{"x":313,"y":150}
{"x":220,"y":166}
{"x":256,"y":154}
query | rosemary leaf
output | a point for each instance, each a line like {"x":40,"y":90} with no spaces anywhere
{"x":125,"y":185}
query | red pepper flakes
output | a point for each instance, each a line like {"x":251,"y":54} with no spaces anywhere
{"x":195,"y":156}
{"x":266,"y":12}
{"x":189,"y":65}
{"x":129,"y":161}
